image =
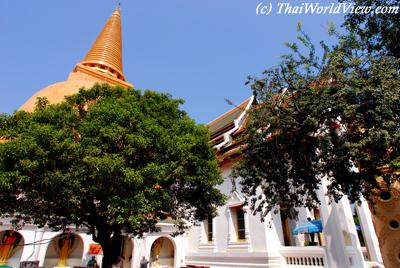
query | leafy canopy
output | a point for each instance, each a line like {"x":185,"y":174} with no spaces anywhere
{"x":379,"y":32}
{"x":108,"y":159}
{"x":335,"y":117}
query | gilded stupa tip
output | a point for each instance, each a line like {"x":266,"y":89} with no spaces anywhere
{"x":117,"y":10}
{"x":105,"y":55}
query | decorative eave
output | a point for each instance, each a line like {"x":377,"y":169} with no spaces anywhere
{"x":218,"y":124}
{"x":225,"y":130}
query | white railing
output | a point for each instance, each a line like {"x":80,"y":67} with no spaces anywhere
{"x":300,"y":257}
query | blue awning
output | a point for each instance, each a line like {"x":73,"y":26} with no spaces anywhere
{"x":308,"y":227}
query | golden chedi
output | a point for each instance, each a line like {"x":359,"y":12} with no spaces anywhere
{"x":102,"y":64}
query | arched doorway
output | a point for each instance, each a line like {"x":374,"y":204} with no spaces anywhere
{"x":11,"y":247}
{"x":162,"y":253}
{"x":64,"y":250}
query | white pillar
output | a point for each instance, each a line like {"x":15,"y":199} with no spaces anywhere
{"x":139,"y":250}
{"x":176,"y":242}
{"x":201,"y":233}
{"x":348,"y":225}
{"x":214,"y":230}
{"x":276,"y":220}
{"x":273,"y":228}
{"x":86,"y":240}
{"x":184,"y":248}
{"x":335,"y":248}
{"x":230,"y":223}
{"x":368,"y":229}
{"x":135,"y":259}
{"x":246,"y":225}
{"x":38,"y":240}
{"x":28,"y":249}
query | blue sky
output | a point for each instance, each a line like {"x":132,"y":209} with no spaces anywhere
{"x":198,"y":50}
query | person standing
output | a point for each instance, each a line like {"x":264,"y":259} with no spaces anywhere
{"x":92,"y":263}
{"x":144,"y":263}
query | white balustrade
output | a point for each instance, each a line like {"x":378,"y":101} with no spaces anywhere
{"x":300,"y":257}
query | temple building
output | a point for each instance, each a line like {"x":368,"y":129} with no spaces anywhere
{"x":235,"y":238}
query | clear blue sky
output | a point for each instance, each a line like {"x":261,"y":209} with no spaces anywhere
{"x":198,"y":50}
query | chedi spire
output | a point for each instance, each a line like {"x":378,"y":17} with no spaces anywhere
{"x":102,"y":64}
{"x":105,"y":54}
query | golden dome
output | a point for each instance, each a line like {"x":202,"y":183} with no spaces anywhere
{"x":102,"y":64}
{"x":106,"y":52}
{"x":55,"y":93}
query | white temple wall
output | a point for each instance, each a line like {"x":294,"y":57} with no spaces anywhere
{"x":225,"y":250}
{"x":264,"y":244}
{"x":257,"y":233}
{"x":273,"y":234}
{"x":225,"y":223}
{"x":221,"y":228}
{"x":341,"y":244}
{"x":193,"y":238}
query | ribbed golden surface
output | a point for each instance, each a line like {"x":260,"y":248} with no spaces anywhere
{"x":106,"y":52}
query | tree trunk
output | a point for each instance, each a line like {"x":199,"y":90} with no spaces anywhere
{"x":111,"y":246}
{"x":108,"y":258}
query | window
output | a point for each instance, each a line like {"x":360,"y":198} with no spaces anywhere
{"x":239,"y":237}
{"x":210,"y":229}
{"x":241,"y":231}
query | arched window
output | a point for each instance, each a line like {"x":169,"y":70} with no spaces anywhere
{"x":240,"y":223}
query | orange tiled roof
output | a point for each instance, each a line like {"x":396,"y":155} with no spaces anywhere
{"x":225,"y":120}
{"x":224,"y":131}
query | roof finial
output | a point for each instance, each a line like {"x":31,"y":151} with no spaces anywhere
{"x":106,"y":51}
{"x":119,"y":6}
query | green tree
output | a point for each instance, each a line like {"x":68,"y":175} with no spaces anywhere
{"x":337,"y":117}
{"x":112,"y":160}
{"x":380,"y":32}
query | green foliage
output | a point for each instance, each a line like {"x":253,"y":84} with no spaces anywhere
{"x":108,"y":159}
{"x":379,"y":32}
{"x":337,"y":118}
